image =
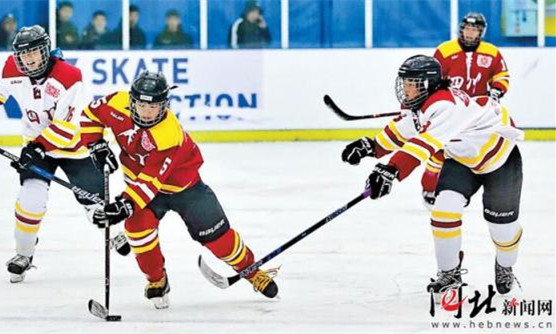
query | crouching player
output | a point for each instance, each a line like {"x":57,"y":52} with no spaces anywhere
{"x":479,"y":141}
{"x":161,"y":166}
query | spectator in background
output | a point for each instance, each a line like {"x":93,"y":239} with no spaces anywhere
{"x":97,"y":36}
{"x":250,"y":30}
{"x":66,"y":35}
{"x":8,"y":29}
{"x":137,"y":38}
{"x":173,"y":36}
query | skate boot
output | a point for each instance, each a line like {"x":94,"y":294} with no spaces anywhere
{"x":504,"y":278}
{"x":262,"y":281}
{"x":157,"y":292}
{"x":18,"y":266}
{"x":446,"y":280}
{"x":120,"y":244}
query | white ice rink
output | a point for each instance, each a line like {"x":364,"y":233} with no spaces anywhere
{"x":364,"y":272}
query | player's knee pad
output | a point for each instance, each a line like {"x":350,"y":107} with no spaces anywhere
{"x":506,"y":237}
{"x":501,"y":214}
{"x":449,"y":201}
{"x":33,"y":195}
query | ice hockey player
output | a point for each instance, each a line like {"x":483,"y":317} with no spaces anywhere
{"x":161,"y":169}
{"x":479,"y":141}
{"x":473,"y":66}
{"x":48,"y":91}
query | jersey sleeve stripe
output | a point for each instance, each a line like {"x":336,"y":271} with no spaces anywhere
{"x":90,"y":115}
{"x":135,"y":197}
{"x":386,"y":142}
{"x":430,"y":140}
{"x":392,"y":126}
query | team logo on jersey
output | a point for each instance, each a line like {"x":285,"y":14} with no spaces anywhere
{"x":129,"y":134}
{"x":484,"y":61}
{"x":51,"y":90}
{"x":146,"y":142}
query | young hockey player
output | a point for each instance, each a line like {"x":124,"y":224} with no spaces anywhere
{"x":479,"y":141}
{"x":161,"y":168}
{"x":473,"y":66}
{"x":48,"y":91}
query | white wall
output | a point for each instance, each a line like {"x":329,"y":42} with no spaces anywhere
{"x":289,"y":85}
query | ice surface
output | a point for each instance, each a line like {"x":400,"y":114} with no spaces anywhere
{"x":365,"y":271}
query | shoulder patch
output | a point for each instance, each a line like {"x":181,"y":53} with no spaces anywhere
{"x":439,"y":95}
{"x":487,"y":49}
{"x":10,"y":70}
{"x":449,"y":48}
{"x":120,"y":102}
{"x":65,"y":73}
{"x":167,"y":133}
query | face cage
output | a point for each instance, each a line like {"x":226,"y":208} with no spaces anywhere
{"x":417,"y":101}
{"x":44,"y":50}
{"x":476,"y":41}
{"x":141,"y":122}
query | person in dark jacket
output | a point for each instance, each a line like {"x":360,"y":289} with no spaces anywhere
{"x":173,"y":36}
{"x":250,"y":30}
{"x":8,"y":29}
{"x":66,"y":34}
{"x":137,"y":38}
{"x":96,"y":36}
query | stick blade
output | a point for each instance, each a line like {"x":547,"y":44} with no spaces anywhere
{"x":97,"y":309}
{"x":212,"y":276}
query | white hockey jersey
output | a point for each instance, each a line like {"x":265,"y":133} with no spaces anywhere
{"x":477,"y":133}
{"x":51,"y":107}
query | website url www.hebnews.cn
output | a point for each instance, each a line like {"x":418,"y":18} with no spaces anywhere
{"x":492,"y":324}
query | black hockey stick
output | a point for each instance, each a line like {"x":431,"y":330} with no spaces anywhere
{"x":330,"y":104}
{"x":81,"y":193}
{"x":96,"y":308}
{"x":224,"y":282}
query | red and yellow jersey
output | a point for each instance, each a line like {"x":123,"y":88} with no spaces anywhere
{"x":473,"y":72}
{"x":162,"y":158}
{"x":477,"y":133}
{"x":50,"y":107}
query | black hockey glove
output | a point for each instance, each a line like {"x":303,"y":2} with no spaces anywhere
{"x":101,"y":154}
{"x":495,"y":94}
{"x":380,"y":180}
{"x":115,"y":212}
{"x":354,"y":152}
{"x":33,"y":153}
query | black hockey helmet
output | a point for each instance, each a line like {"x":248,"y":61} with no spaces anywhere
{"x":29,"y":40}
{"x":425,"y":72}
{"x":151,"y":88}
{"x":476,"y":20}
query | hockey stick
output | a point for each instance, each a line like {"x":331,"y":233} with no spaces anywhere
{"x":330,"y":104}
{"x":80,"y":192}
{"x":225,"y":282}
{"x":95,"y":307}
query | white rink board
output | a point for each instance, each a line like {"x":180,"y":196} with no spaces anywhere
{"x":284,"y":89}
{"x":364,"y":272}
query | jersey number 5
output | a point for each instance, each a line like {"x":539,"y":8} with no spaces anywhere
{"x":165,"y":165}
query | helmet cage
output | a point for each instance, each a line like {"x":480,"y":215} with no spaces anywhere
{"x":163,"y":105}
{"x":43,"y":48}
{"x":422,"y":87}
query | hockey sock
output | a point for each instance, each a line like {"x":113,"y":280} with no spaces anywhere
{"x":446,"y":228}
{"x":29,"y":211}
{"x":230,"y":248}
{"x":506,"y":238}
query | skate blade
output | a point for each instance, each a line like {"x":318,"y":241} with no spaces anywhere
{"x":161,"y":303}
{"x":16,"y":278}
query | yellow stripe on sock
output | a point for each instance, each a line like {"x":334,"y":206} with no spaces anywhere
{"x":446,"y":235}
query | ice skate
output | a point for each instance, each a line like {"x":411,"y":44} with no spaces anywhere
{"x":18,"y":267}
{"x":120,"y":244}
{"x":446,"y":280}
{"x":262,"y":282}
{"x":157,"y":292}
{"x":504,"y":278}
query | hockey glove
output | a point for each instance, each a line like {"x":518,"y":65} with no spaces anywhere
{"x":115,"y":212}
{"x":354,"y":152}
{"x":101,"y":154}
{"x":495,"y":94}
{"x":380,"y":180}
{"x":33,"y":153}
